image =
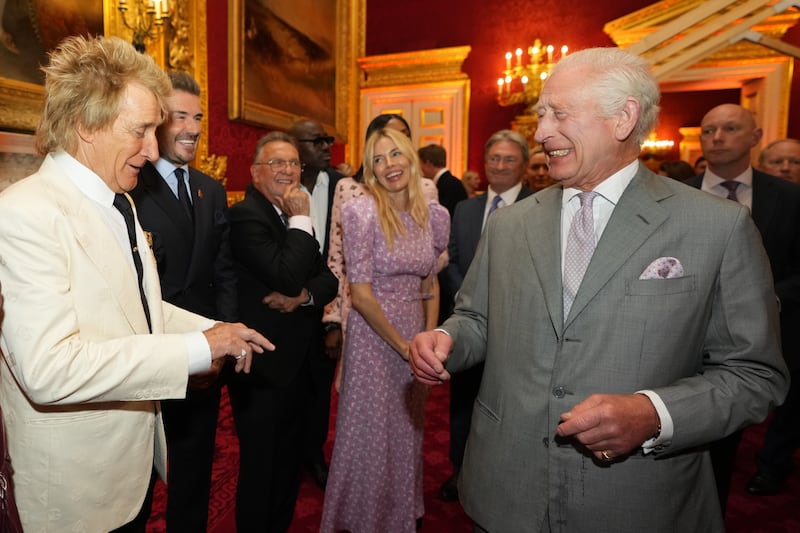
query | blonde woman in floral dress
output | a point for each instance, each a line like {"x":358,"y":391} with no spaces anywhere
{"x":392,"y":237}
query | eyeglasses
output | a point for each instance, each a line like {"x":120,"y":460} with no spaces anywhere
{"x":318,"y":141}
{"x":276,"y":165}
{"x":509,"y":160}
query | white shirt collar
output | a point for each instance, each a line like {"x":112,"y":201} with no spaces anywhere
{"x":610,"y":188}
{"x":89,"y":183}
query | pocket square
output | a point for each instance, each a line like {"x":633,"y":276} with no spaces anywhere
{"x":663,"y":268}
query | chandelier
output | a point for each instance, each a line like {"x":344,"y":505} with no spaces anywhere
{"x":150,"y":16}
{"x":522,"y":83}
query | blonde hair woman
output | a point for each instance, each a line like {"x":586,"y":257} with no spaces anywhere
{"x":392,"y":237}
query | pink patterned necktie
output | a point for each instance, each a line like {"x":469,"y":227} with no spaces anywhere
{"x":731,"y":186}
{"x":580,"y":247}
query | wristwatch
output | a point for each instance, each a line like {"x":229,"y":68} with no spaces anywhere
{"x":330,"y":326}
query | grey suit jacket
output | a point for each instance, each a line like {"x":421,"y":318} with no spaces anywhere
{"x":623,"y":334}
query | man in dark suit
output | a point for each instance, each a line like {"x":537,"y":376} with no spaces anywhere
{"x":506,"y":155}
{"x":433,"y":163}
{"x":625,"y":320}
{"x":319,"y":179}
{"x":284,"y":283}
{"x":186,"y":218}
{"x":728,"y":133}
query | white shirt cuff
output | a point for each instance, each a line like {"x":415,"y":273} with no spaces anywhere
{"x":199,"y":352}
{"x":302,"y":222}
{"x":664,"y":437}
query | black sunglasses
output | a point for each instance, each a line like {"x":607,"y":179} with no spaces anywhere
{"x":318,"y":141}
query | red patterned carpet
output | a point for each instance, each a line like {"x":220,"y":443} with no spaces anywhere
{"x":746,"y":514}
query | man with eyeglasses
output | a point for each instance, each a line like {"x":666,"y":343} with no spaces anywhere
{"x":506,"y":155}
{"x":728,"y":133}
{"x":781,"y":158}
{"x":319,"y":179}
{"x":284,"y":283}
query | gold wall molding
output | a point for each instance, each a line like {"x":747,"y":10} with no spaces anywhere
{"x":423,"y":66}
{"x":697,"y":45}
{"x":418,"y":85}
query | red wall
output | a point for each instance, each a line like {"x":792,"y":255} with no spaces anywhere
{"x":490,"y":28}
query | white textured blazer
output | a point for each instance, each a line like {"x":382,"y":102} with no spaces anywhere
{"x":81,"y":377}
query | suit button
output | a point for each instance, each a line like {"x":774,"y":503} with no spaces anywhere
{"x":559,"y":392}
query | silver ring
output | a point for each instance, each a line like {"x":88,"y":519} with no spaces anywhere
{"x":241,"y":355}
{"x":605,"y":455}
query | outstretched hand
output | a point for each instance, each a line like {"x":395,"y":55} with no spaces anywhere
{"x":237,"y":341}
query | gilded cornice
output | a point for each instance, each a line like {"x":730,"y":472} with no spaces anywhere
{"x":419,"y":67}
{"x":22,"y":104}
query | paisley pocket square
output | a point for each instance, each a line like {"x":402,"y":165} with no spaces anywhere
{"x":663,"y":268}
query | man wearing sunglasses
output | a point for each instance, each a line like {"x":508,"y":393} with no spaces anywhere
{"x":319,"y":180}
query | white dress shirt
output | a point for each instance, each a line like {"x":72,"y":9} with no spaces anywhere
{"x":744,"y":192}
{"x":102,"y":198}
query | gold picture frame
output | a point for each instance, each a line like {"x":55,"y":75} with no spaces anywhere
{"x":36,"y":28}
{"x":348,"y":35}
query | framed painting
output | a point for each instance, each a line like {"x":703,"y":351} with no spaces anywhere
{"x":295,"y":58}
{"x":28,"y":30}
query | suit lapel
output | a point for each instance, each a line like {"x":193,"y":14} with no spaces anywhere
{"x":635,"y":218}
{"x":163,"y":197}
{"x":94,"y":236}
{"x":543,"y":233}
{"x":764,"y":202}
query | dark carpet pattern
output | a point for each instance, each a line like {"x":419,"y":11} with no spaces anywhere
{"x":746,"y":514}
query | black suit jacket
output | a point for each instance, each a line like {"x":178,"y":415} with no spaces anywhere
{"x":333,"y":179}
{"x":451,"y":191}
{"x":776,"y":213}
{"x":465,"y":232}
{"x":194,"y":264}
{"x":268,"y":258}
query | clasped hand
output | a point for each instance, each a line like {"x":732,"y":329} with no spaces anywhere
{"x":427,"y":354}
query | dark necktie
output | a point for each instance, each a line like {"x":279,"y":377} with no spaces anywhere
{"x":731,"y":186}
{"x":123,"y":206}
{"x":183,"y":194}
{"x":495,"y":204}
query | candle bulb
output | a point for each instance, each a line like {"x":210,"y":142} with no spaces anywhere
{"x":500,"y":83}
{"x":519,"y":56}
{"x":508,"y":85}
{"x":564,"y":50}
{"x":550,"y":53}
{"x":508,"y":60}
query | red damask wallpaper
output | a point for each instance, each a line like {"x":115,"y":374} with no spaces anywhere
{"x":490,"y":28}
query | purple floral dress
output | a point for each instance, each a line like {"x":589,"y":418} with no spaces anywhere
{"x":375,"y":481}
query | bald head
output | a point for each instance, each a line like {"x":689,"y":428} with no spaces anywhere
{"x":727,"y":134}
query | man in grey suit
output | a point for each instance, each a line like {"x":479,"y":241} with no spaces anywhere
{"x":506,"y":155}
{"x":728,"y":133}
{"x":600,"y":391}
